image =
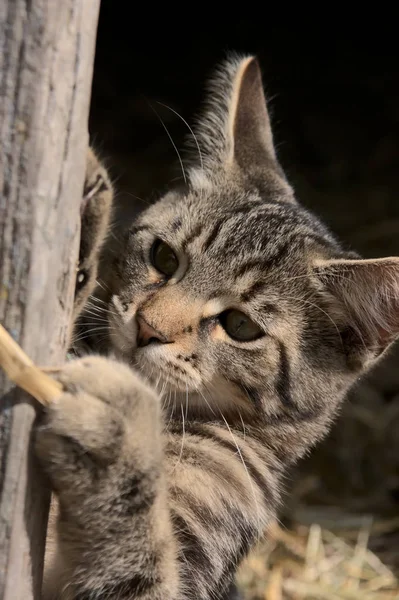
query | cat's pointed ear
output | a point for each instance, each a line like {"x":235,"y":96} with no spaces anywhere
{"x":252,"y":138}
{"x":234,"y":130}
{"x":368,"y":294}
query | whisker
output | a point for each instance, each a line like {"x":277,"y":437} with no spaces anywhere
{"x":189,"y":128}
{"x":173,"y":144}
{"x":101,"y":284}
{"x":205,"y":400}
{"x":245,"y":467}
{"x":303,"y":301}
{"x":182,"y":440}
{"x":136,"y":197}
{"x":186,"y":401}
{"x":96,"y":299}
{"x":241,"y":457}
{"x":97,"y":320}
{"x":86,"y":333}
{"x":243,"y":425}
{"x":101,"y":309}
{"x":173,"y":410}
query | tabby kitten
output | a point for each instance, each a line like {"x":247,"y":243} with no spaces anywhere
{"x":237,"y":310}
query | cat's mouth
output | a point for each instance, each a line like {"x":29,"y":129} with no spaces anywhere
{"x":163,"y":364}
{"x":159,"y":365}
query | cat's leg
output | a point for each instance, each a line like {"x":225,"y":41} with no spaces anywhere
{"x":144,"y":515}
{"x":101,"y":446}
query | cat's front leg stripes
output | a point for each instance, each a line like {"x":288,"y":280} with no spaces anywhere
{"x":224,"y":491}
{"x":101,"y":446}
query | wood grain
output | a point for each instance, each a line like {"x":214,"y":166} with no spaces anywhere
{"x":46,"y":61}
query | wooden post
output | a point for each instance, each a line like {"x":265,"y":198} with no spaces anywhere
{"x":46,"y":62}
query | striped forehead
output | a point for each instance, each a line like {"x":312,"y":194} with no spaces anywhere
{"x":256,"y":227}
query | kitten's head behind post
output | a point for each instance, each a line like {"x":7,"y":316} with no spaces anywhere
{"x":235,"y":300}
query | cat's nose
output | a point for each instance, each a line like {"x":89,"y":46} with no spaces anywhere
{"x":147,"y":334}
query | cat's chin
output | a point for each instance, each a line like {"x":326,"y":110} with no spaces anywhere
{"x":164,"y":381}
{"x":187,"y":405}
{"x":181,"y":391}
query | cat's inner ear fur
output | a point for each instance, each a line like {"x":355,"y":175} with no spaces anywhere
{"x":234,"y":133}
{"x":367,"y":293}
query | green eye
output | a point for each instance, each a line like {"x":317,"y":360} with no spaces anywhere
{"x":239,"y":327}
{"x":163,"y":258}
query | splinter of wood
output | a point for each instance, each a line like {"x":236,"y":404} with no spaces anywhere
{"x":21,"y":370}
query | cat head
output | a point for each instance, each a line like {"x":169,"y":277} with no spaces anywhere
{"x":232,"y":297}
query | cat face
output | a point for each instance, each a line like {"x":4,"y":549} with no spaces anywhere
{"x":230,"y":296}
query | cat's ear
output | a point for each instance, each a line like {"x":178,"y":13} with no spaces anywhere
{"x":234,"y":130}
{"x":252,"y":139}
{"x":367,"y":292}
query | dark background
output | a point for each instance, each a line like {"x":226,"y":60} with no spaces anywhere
{"x":333,"y":94}
{"x":334,"y":101}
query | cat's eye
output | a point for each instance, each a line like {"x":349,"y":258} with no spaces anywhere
{"x":81,"y":279}
{"x":163,"y":258}
{"x":239,"y":326}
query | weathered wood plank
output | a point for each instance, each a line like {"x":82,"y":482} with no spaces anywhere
{"x":46,"y":61}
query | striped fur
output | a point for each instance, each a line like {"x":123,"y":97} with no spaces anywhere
{"x":168,"y":459}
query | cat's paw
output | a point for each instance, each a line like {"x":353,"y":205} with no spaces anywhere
{"x":98,"y":429}
{"x":96,"y":208}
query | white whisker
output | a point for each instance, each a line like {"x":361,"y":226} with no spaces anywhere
{"x":182,"y":440}
{"x":174,"y":145}
{"x":189,"y":128}
{"x":245,"y":467}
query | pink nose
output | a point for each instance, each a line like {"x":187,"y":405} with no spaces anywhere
{"x":147,"y":334}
